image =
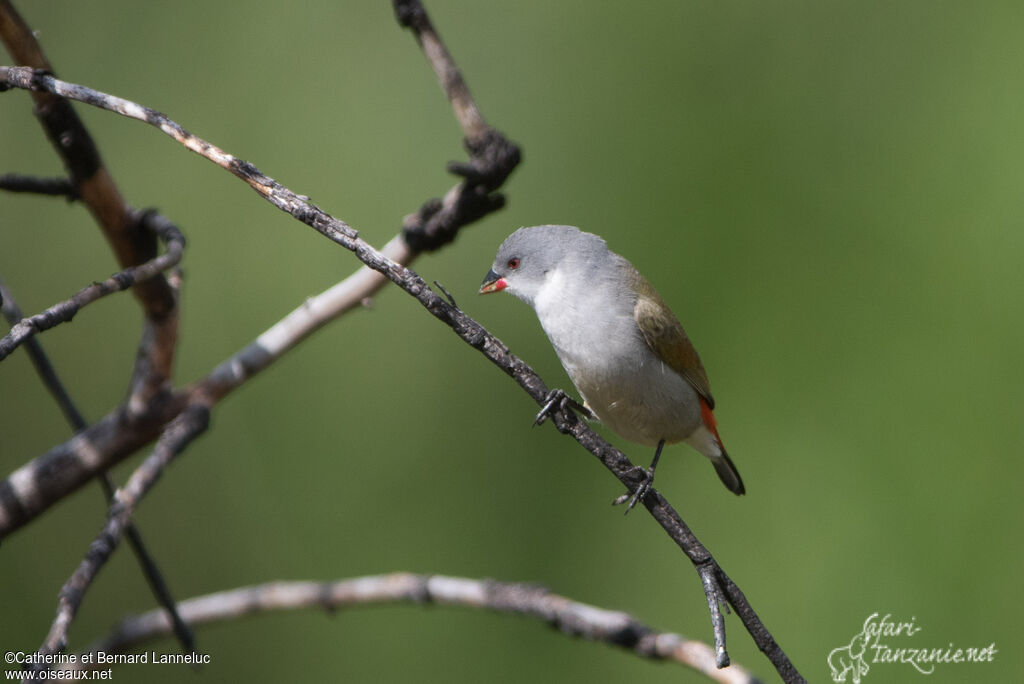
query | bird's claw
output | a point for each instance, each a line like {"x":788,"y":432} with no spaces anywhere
{"x":638,"y":494}
{"x":555,"y":400}
{"x":558,"y":400}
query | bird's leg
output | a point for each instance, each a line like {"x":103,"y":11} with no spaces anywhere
{"x":645,"y":484}
{"x":558,"y":400}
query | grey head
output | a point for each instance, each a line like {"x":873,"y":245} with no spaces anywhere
{"x":528,"y":256}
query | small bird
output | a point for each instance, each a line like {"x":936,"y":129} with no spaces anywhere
{"x":623,"y":348}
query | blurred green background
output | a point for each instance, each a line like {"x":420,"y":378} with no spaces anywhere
{"x":827,"y":193}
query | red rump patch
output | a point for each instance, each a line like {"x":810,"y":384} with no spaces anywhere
{"x":709,"y":418}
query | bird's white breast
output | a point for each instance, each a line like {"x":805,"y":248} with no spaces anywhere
{"x":595,"y":335}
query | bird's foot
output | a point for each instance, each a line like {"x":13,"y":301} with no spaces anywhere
{"x":558,"y":400}
{"x":639,"y":493}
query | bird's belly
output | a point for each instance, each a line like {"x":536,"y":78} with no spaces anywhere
{"x":643,"y":402}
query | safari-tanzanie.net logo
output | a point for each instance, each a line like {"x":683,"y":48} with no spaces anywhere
{"x":886,"y":641}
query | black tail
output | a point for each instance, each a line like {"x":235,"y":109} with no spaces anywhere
{"x":728,"y":474}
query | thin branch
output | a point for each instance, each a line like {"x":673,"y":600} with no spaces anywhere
{"x":34,"y":487}
{"x":15,"y":182}
{"x":309,"y":317}
{"x":412,"y":15}
{"x":278,"y":195}
{"x":154,"y":577}
{"x":64,"y":311}
{"x":181,"y":431}
{"x":41,"y":362}
{"x":492,"y":157}
{"x":154,"y":360}
{"x":713,"y":594}
{"x":572,"y":618}
{"x":50,"y":379}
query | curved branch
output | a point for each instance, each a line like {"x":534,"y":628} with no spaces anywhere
{"x":310,"y":316}
{"x":44,"y":369}
{"x":64,"y":311}
{"x":412,"y":15}
{"x":569,"y":617}
{"x":492,"y":157}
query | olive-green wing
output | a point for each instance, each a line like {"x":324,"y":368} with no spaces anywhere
{"x":666,"y":337}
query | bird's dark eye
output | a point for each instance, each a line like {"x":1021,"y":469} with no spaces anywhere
{"x":513,"y":263}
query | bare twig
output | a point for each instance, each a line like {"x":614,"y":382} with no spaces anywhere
{"x":151,"y":375}
{"x":492,"y":157}
{"x":275,"y":193}
{"x":41,"y":362}
{"x":412,"y":14}
{"x":66,"y":310}
{"x":154,"y":577}
{"x":14,"y":182}
{"x":284,"y":335}
{"x":48,"y":478}
{"x":465,"y":327}
{"x":714,"y":596}
{"x":182,"y":430}
{"x":570,"y":617}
